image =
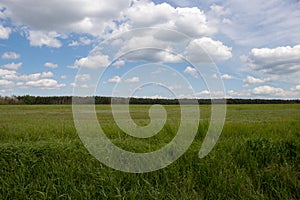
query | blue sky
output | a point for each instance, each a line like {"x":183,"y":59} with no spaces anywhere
{"x":151,"y":48}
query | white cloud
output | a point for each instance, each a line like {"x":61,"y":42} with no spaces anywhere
{"x":83,"y":77}
{"x":160,"y":44}
{"x":143,"y":38}
{"x":296,"y":88}
{"x":51,"y":65}
{"x":191,"y":21}
{"x":148,"y":54}
{"x":207,"y":50}
{"x":83,"y":41}
{"x":259,"y":22}
{"x":119,"y":63}
{"x":10,"y":55}
{"x":40,"y":38}
{"x":219,"y":10}
{"x":168,"y":57}
{"x":156,"y":96}
{"x":132,"y":80}
{"x":63,"y":77}
{"x":268,"y":90}
{"x":191,"y":71}
{"x":8,"y":74}
{"x":82,"y":86}
{"x":12,"y":66}
{"x":93,"y":61}
{"x":74,"y":44}
{"x":39,"y":80}
{"x":6,"y":83}
{"x":30,"y":77}
{"x":4,"y":32}
{"x":100,"y":18}
{"x":253,"y":80}
{"x":280,"y":60}
{"x":226,"y":77}
{"x":46,"y":74}
{"x":115,"y":79}
{"x":204,"y":92}
{"x":227,"y":21}
{"x":48,"y":84}
{"x":209,"y":94}
{"x":174,"y":87}
{"x":238,"y":94}
{"x":81,"y":16}
{"x":2,"y":12}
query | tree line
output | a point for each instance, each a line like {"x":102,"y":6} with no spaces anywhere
{"x":67,"y":100}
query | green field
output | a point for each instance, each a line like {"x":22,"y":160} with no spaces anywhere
{"x":256,"y":157}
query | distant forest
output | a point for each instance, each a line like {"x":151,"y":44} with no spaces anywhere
{"x":67,"y":100}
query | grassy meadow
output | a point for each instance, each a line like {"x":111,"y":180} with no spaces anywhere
{"x":256,"y":157}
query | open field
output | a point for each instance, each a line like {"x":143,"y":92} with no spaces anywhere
{"x":256,"y":157}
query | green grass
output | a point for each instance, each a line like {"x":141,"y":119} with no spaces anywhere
{"x":256,"y":157}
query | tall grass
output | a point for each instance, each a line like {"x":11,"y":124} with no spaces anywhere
{"x":257,"y":156}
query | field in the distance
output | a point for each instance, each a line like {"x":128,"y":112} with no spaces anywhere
{"x":256,"y":157}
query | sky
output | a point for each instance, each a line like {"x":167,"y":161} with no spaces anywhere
{"x":156,"y":49}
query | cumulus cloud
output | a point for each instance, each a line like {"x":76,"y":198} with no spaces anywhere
{"x":135,"y":41}
{"x":253,"y":80}
{"x":12,"y":66}
{"x":83,"y":41}
{"x":152,"y":55}
{"x":14,"y":76}
{"x":207,"y":50}
{"x":226,"y":77}
{"x":265,"y":91}
{"x":83,"y":77}
{"x":38,"y":80}
{"x":2,"y":12}
{"x":268,"y":90}
{"x":8,"y":74}
{"x":6,"y":83}
{"x":51,"y":65}
{"x":208,"y":94}
{"x":142,"y":45}
{"x":133,"y":80}
{"x":93,"y":61}
{"x":48,"y":84}
{"x":219,"y":10}
{"x":115,"y":79}
{"x":296,"y":88}
{"x":4,"y":32}
{"x":35,"y":77}
{"x":238,"y":94}
{"x":156,"y":96}
{"x":119,"y":63}
{"x":98,"y":17}
{"x":102,"y":18}
{"x":40,"y":38}
{"x":174,"y":87}
{"x":81,"y":16}
{"x":191,"y":71}
{"x":280,"y":60}
{"x":258,"y":23}
{"x":10,"y":55}
{"x":191,"y":21}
